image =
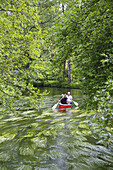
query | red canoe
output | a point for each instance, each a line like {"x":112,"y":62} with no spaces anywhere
{"x":64,"y":106}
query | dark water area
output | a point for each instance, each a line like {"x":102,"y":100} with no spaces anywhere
{"x":51,"y":140}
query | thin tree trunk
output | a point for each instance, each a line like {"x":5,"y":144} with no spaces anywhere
{"x":69,"y":71}
{"x":62,"y":8}
{"x":64,"y":66}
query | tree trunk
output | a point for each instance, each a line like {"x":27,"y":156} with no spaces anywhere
{"x":62,"y":8}
{"x":69,"y":71}
{"x":64,"y":67}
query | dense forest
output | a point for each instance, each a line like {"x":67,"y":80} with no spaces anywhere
{"x":64,"y":43}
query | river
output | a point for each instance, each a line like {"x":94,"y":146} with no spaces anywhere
{"x":51,"y":140}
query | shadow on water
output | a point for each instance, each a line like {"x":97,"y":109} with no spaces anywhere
{"x":51,"y":140}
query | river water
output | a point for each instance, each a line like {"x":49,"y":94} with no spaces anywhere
{"x":51,"y":140}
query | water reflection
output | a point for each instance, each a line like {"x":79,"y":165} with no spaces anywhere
{"x":51,"y":140}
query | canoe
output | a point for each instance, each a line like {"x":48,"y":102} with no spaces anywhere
{"x":64,"y":106}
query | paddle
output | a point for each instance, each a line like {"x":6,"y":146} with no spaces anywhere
{"x":54,"y":107}
{"x":76,"y":104}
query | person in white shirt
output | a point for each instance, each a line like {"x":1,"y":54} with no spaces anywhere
{"x":69,"y":98}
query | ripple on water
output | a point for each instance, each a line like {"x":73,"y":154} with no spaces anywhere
{"x":51,"y":140}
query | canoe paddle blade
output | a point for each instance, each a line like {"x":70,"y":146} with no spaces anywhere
{"x":54,"y":107}
{"x":76,"y":104}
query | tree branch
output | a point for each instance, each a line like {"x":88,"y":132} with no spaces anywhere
{"x":6,"y":93}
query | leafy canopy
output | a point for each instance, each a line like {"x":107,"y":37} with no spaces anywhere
{"x":20,"y":43}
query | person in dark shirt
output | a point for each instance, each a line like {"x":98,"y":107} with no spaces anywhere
{"x":63,"y":99}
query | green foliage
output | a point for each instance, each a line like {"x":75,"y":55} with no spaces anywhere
{"x":20,"y":49}
{"x":95,"y":58}
{"x":85,"y":35}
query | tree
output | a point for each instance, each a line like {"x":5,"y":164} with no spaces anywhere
{"x":20,"y":44}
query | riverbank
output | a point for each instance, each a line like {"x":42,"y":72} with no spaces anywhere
{"x":56,"y":83}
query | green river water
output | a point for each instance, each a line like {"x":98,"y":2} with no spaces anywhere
{"x":51,"y":140}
